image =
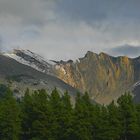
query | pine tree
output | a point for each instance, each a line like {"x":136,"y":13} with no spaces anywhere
{"x":27,"y":115}
{"x":66,"y":118}
{"x":103,"y":124}
{"x":41,"y":110}
{"x":83,"y":118}
{"x":35,"y":115}
{"x":55,"y":104}
{"x":9,"y":117}
{"x":128,"y":117}
{"x":138,"y":118}
{"x":54,"y":117}
{"x":114,"y":122}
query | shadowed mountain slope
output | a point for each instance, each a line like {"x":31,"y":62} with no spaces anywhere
{"x":20,"y":76}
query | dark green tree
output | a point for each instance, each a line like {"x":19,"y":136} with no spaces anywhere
{"x":83,"y":118}
{"x":103,"y":124}
{"x":128,"y":117}
{"x":66,"y":118}
{"x":27,"y":115}
{"x":35,"y":115}
{"x":114,"y":122}
{"x":9,"y":117}
{"x":40,"y":125}
{"x":55,"y":121}
{"x":138,"y":118}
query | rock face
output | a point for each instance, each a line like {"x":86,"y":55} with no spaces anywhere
{"x":103,"y":76}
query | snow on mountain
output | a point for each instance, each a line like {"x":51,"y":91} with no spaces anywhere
{"x":136,"y":84}
{"x":31,"y":59}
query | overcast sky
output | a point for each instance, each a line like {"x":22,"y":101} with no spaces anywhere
{"x":67,"y":29}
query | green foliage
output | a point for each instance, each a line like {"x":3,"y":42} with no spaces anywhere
{"x":35,"y":112}
{"x":114,"y":122}
{"x":42,"y":116}
{"x":128,"y":117}
{"x":9,"y":117}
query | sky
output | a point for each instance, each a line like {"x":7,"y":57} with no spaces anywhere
{"x":67,"y":29}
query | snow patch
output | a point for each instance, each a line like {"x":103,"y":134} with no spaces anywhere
{"x":21,"y":60}
{"x":31,"y":59}
{"x":36,"y":56}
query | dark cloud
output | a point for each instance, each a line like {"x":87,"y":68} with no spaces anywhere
{"x":127,"y":50}
{"x":96,"y":10}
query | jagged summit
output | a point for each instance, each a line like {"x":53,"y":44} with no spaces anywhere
{"x":90,"y":53}
{"x":103,"y":54}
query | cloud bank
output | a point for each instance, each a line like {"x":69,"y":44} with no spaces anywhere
{"x":62,"y":29}
{"x":126,"y":50}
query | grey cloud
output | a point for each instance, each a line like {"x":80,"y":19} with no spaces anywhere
{"x":66,"y":29}
{"x":96,"y":10}
{"x":1,"y":43}
{"x":29,"y":11}
{"x":127,"y":50}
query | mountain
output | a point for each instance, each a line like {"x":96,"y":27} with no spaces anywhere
{"x":104,"y":77}
{"x":20,"y":77}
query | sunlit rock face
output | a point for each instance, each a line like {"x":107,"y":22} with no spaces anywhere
{"x":103,"y":76}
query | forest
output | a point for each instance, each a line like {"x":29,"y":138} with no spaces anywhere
{"x":42,"y":116}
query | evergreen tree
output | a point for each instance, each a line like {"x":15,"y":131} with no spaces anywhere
{"x":128,"y":116}
{"x":138,"y":118}
{"x":9,"y":117}
{"x":41,"y":110}
{"x":3,"y":90}
{"x":114,"y":122}
{"x":40,"y":116}
{"x":35,"y":115}
{"x":27,"y":115}
{"x":66,"y":132}
{"x":103,"y":125}
{"x":83,"y":117}
{"x":55,"y":121}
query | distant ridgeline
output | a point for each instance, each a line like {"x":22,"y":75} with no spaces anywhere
{"x":42,"y":116}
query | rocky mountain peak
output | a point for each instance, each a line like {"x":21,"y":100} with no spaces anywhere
{"x":105,"y":77}
{"x":90,"y":54}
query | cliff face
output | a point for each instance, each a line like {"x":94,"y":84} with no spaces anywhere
{"x":102,"y":76}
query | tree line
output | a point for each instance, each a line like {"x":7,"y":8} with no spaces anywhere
{"x":42,"y":116}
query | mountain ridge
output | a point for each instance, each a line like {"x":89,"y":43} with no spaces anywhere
{"x":105,"y":77}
